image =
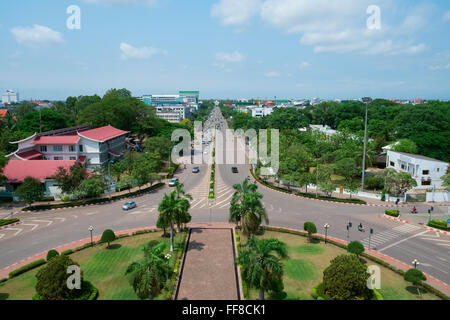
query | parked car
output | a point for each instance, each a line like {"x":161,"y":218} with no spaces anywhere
{"x":129,"y":205}
{"x":234,"y":170}
{"x":173,"y":182}
{"x":195,"y":170}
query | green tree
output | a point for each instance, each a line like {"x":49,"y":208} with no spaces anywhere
{"x":261,"y":264}
{"x":247,"y":208}
{"x":117,"y":169}
{"x":149,"y":275}
{"x":51,"y":254}
{"x":69,"y":181}
{"x":108,"y":236}
{"x":351,"y":187}
{"x":416,"y":277}
{"x":346,"y":168}
{"x":91,"y":188}
{"x":346,"y":279}
{"x":405,"y":145}
{"x":310,"y":228}
{"x":446,"y":181}
{"x":171,"y":208}
{"x":161,"y":145}
{"x":30,"y":190}
{"x":355,"y":247}
{"x":399,"y":183}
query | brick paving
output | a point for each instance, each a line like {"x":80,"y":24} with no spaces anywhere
{"x":209,"y":272}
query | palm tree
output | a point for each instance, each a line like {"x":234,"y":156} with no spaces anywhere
{"x":173,"y":210}
{"x":261,"y":264}
{"x":179,"y":188}
{"x":149,"y":275}
{"x":247,"y":208}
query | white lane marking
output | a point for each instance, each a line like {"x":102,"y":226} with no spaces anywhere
{"x":401,"y":241}
{"x":75,"y":216}
{"x":135,"y":212}
{"x":1,"y":235}
{"x":202,"y":205}
{"x":45,"y":221}
{"x":442,"y":259}
{"x":31,"y":224}
{"x":199,"y":202}
{"x":152,"y":209}
{"x":18,"y":230}
{"x":429,"y":265}
{"x":442,"y":244}
{"x":61,"y":219}
{"x":226,"y":199}
{"x":439,"y":240}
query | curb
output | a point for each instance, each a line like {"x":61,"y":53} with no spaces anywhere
{"x":10,"y":225}
{"x":394,"y":219}
{"x":425,"y":227}
{"x":437,"y":230}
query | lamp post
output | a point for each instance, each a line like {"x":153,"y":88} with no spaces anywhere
{"x":415,"y":262}
{"x":366,"y":100}
{"x":370,"y":235}
{"x":326,"y":226}
{"x":91,"y":228}
{"x":349,"y":225}
{"x":317,"y":179}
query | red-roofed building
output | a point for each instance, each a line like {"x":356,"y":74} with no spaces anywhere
{"x":3,"y":113}
{"x":96,"y":147}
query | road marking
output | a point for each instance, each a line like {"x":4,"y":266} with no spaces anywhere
{"x":90,"y":213}
{"x":1,"y":235}
{"x":401,"y":241}
{"x":62,"y":219}
{"x":135,"y":212}
{"x":45,"y":221}
{"x":152,"y":209}
{"x":442,"y":259}
{"x":18,"y":230}
{"x":223,"y":194}
{"x":226,"y":199}
{"x":75,"y":216}
{"x":31,"y":224}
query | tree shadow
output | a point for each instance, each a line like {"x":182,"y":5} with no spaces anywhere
{"x":362,"y":260}
{"x":260,"y":232}
{"x":114,"y":246}
{"x":4,"y":296}
{"x":278,"y":295}
{"x":413,"y":290}
{"x":196,"y":231}
{"x":314,"y":241}
{"x":194,"y":245}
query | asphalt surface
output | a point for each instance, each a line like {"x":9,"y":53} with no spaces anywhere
{"x":43,"y":231}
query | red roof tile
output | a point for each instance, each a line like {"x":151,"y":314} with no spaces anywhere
{"x":45,"y":140}
{"x":16,"y":170}
{"x":28,"y":155}
{"x":102,"y":134}
{"x":3,"y":113}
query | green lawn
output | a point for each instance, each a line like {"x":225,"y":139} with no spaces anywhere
{"x":304,"y":269}
{"x":105,"y":268}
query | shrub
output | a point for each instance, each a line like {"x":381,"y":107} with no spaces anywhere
{"x":27,"y":267}
{"x":376,"y":295}
{"x":108,"y":236}
{"x":310,"y":228}
{"x":346,"y":279}
{"x":3,"y":280}
{"x":438,"y":224}
{"x":51,"y":254}
{"x":67,"y":252}
{"x":355,"y":247}
{"x":5,"y":222}
{"x":392,"y":213}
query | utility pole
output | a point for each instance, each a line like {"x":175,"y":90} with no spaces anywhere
{"x":367,"y":101}
{"x":317,"y":179}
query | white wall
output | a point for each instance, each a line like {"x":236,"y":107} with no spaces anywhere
{"x":438,"y":196}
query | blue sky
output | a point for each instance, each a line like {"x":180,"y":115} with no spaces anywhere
{"x":227,"y":48}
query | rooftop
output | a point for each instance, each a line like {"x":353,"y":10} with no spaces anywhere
{"x":102,"y":134}
{"x":16,"y":171}
{"x":418,"y":156}
{"x":3,"y":113}
{"x":49,"y":140}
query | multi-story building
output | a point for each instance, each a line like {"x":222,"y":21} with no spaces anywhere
{"x":10,"y":97}
{"x":96,"y":146}
{"x":426,"y":171}
{"x":171,"y":107}
{"x":172,"y":113}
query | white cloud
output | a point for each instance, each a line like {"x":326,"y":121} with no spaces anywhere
{"x":235,"y":13}
{"x":443,"y":67}
{"x":36,"y":35}
{"x":127,"y":51}
{"x":272,"y":74}
{"x":235,"y":56}
{"x":123,"y":2}
{"x":304,"y":65}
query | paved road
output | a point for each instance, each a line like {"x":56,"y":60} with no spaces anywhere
{"x":43,"y":231}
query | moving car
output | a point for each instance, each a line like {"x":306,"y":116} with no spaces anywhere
{"x":234,"y":170}
{"x":173,"y":182}
{"x":195,"y":170}
{"x":129,"y":205}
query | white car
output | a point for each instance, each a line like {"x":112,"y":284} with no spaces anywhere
{"x":173,"y":182}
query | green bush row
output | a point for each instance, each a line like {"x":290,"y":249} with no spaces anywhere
{"x":439,"y":224}
{"x":92,"y":201}
{"x":173,"y":278}
{"x":3,"y":280}
{"x":244,"y":284}
{"x":27,"y":267}
{"x":67,"y":252}
{"x":4,"y":222}
{"x":392,"y":212}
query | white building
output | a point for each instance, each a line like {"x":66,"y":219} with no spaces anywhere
{"x":10,"y":97}
{"x":261,"y":111}
{"x":426,"y":171}
{"x":172,"y":113}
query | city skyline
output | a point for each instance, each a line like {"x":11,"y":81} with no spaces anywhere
{"x":227,"y":49}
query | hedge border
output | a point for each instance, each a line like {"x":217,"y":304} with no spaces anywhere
{"x":307,"y":195}
{"x":238,"y":245}
{"x":316,"y":296}
{"x":174,"y":277}
{"x":392,"y":213}
{"x":428,"y":287}
{"x":438,"y":224}
{"x":27,"y":267}
{"x":5,"y":222}
{"x":92,"y":201}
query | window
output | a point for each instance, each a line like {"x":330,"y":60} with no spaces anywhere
{"x":426,"y":182}
{"x":80,"y":148}
{"x":43,"y":148}
{"x":58,"y":158}
{"x":73,"y":158}
{"x":403,"y":166}
{"x":392,"y":164}
{"x":72,"y":148}
{"x":57,"y":148}
{"x":438,"y":169}
{"x":425,"y":172}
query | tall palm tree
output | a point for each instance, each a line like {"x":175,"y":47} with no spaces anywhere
{"x":246,"y":207}
{"x":173,"y":210}
{"x":179,"y":188}
{"x":149,"y":275}
{"x":261,"y":264}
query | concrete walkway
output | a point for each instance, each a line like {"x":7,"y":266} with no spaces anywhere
{"x":208,"y":270}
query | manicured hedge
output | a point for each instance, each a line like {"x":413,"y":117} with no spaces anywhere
{"x":438,"y":224}
{"x":27,"y":267}
{"x":4,"y":222}
{"x":67,"y":252}
{"x":238,"y":245}
{"x":392,"y":212}
{"x":317,"y":293}
{"x":306,"y":195}
{"x":3,"y":280}
{"x":92,"y":201}
{"x":173,"y":278}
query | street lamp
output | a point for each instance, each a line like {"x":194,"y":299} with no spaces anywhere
{"x":91,"y":228}
{"x":326,"y":226}
{"x":366,"y":100}
{"x":370,"y":234}
{"x":349,"y":225}
{"x":415,"y":262}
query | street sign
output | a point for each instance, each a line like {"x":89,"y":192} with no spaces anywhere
{"x":448,"y":223}
{"x":341,"y":189}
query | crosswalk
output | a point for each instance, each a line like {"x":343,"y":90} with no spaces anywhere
{"x":437,"y":239}
{"x":388,"y":235}
{"x":31,"y":224}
